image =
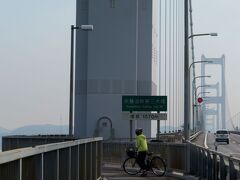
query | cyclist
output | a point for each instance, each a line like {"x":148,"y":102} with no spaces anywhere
{"x":142,"y":148}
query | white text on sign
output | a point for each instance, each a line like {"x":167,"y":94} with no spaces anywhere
{"x":144,"y":116}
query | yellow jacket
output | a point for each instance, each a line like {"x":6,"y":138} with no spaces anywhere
{"x":141,"y":143}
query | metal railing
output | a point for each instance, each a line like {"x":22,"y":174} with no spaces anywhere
{"x":210,"y":164}
{"x":164,"y":137}
{"x":174,"y":154}
{"x":72,"y":160}
{"x":195,"y":135}
{"x":185,"y":157}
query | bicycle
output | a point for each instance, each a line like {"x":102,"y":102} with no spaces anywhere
{"x":154,"y":163}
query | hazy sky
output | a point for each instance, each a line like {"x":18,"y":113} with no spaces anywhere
{"x":35,"y":48}
{"x":220,"y":16}
{"x":34,"y":61}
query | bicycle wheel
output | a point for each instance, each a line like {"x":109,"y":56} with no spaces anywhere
{"x":158,"y":166}
{"x":130,"y":166}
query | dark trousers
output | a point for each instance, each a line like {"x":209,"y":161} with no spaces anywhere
{"x":141,"y":159}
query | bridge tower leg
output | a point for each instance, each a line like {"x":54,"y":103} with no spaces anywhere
{"x":223,"y":94}
{"x":219,"y":99}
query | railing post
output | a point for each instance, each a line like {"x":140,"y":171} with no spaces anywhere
{"x":42,"y":166}
{"x":58,"y":164}
{"x":89,"y":161}
{"x":78,"y":163}
{"x":50,"y":165}
{"x":215,"y":169}
{"x":204,"y":173}
{"x":188,"y":157}
{"x":209,"y":166}
{"x":83,"y":159}
{"x":94,"y":160}
{"x":199,"y":162}
{"x":20,"y":169}
{"x":69,"y":162}
{"x":31,"y":168}
{"x":74,"y":162}
{"x":64,"y":163}
{"x":192,"y":160}
{"x":99,"y":158}
{"x":232,"y":170}
{"x":223,"y":171}
{"x":196,"y":160}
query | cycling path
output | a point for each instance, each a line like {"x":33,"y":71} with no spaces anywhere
{"x":115,"y":172}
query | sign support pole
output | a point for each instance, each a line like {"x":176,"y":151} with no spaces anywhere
{"x":131,"y":130}
{"x":158,"y":128}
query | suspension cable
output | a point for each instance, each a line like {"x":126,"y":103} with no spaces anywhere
{"x":160,"y":56}
{"x":176,"y":59}
{"x":170,"y":63}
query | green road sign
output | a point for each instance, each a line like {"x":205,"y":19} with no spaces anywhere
{"x":144,"y":103}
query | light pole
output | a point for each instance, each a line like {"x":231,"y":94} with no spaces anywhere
{"x":194,"y":95}
{"x":199,"y":62}
{"x":186,"y":73}
{"x":194,"y":35}
{"x":193,"y":82}
{"x":187,"y":38}
{"x":195,"y":106}
{"x":203,"y":34}
{"x":186,"y":69}
{"x":84,"y":28}
{"x":188,"y":96}
{"x":195,"y":92}
{"x":205,"y":92}
{"x":202,"y":86}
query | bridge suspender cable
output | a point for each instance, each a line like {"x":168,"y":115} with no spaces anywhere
{"x":160,"y":59}
{"x":170,"y":64}
{"x":182,"y":67}
{"x":173,"y":53}
{"x":176,"y":65}
{"x":165,"y":54}
{"x":179,"y":66}
{"x":176,"y":59}
{"x":171,"y":46}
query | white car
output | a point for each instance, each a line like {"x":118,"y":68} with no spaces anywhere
{"x":222,"y":135}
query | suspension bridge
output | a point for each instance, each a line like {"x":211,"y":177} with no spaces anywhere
{"x":142,"y":49}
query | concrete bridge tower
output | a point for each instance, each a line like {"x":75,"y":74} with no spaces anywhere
{"x":220,"y":97}
{"x":119,"y":57}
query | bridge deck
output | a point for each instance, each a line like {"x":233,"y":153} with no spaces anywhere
{"x":115,"y":172}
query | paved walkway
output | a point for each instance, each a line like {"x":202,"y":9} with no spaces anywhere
{"x":115,"y":172}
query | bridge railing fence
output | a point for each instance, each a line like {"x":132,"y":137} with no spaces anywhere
{"x":71,"y":160}
{"x":210,"y":164}
{"x":185,"y":157}
{"x":174,"y":154}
